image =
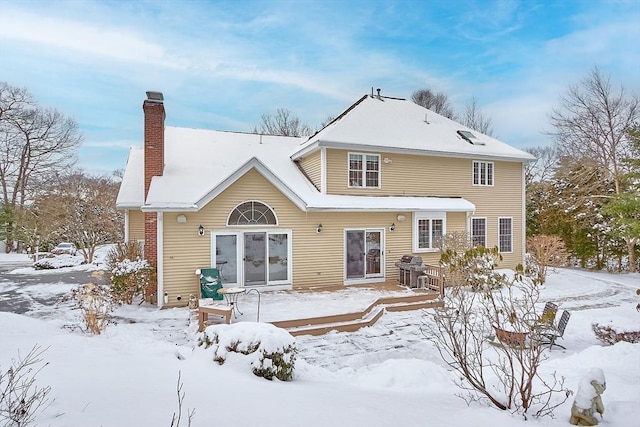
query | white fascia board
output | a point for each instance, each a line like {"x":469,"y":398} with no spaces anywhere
{"x":169,"y":207}
{"x":420,"y":152}
{"x":305,"y":151}
{"x":128,"y":205}
{"x":241,"y":171}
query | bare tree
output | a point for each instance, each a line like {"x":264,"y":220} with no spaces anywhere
{"x":594,"y":121}
{"x":35,"y":143}
{"x":282,"y":123}
{"x":472,"y":117}
{"x":543,"y":168}
{"x":82,"y":209}
{"x":437,"y":102}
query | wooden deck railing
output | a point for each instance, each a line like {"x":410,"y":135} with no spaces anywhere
{"x":433,"y":279}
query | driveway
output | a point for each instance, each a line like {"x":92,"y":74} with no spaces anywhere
{"x":24,"y":292}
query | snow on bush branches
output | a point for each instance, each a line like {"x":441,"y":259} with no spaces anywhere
{"x":131,"y":275}
{"x":267,"y":350}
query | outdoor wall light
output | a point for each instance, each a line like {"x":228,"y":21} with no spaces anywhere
{"x":181,"y":219}
{"x":392,"y":227}
{"x":200,"y":230}
{"x":401,"y":217}
{"x":319,"y":228}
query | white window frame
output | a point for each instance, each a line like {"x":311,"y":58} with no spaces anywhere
{"x":510,"y":235}
{"x":430,"y":216}
{"x":489,"y":173}
{"x":364,"y":170}
{"x":483,"y":218}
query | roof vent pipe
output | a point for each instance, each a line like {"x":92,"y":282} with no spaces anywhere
{"x":378,"y":92}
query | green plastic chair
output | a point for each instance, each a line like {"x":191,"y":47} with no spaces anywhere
{"x":210,"y":282}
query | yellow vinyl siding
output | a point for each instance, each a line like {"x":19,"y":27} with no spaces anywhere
{"x":318,"y":258}
{"x":416,"y":175}
{"x":311,"y":165}
{"x":136,"y":225}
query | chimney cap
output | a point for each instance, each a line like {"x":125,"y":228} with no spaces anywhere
{"x":155,"y":96}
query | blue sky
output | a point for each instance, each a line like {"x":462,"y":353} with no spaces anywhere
{"x":221,"y":64}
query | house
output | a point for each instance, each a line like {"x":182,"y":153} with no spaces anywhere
{"x":384,"y":179}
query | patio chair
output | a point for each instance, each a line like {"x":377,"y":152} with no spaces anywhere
{"x":548,"y":316}
{"x":550,"y":335}
{"x":210,"y":282}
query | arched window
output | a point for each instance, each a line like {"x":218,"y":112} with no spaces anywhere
{"x":252,"y":213}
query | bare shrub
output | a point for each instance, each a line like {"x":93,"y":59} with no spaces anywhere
{"x":547,"y":251}
{"x":20,"y":397}
{"x":609,"y":336}
{"x":504,"y":373}
{"x":95,"y":302}
{"x":175,"y":420}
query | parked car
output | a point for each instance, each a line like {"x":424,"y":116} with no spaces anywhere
{"x":65,"y":248}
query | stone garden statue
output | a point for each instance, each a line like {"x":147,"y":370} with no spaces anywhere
{"x":588,"y":400}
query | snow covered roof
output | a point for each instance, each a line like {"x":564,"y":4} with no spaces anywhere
{"x":131,"y":193}
{"x":200,"y":164}
{"x":399,"y":125}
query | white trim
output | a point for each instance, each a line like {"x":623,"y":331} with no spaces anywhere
{"x":417,"y":216}
{"x":493,"y":173}
{"x":499,"y":248}
{"x":523,"y":239}
{"x":364,"y":170}
{"x":323,"y":170}
{"x":160,"y":260}
{"x":252,"y":225}
{"x":239,"y":233}
{"x":126,"y":225}
{"x":381,"y":277}
{"x":486,"y":222}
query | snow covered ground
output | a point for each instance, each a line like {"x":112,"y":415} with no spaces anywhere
{"x":385,"y":375}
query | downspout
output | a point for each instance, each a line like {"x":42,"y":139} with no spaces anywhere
{"x":160,"y":260}
{"x":323,"y":170}
{"x":524,"y":217}
{"x":126,"y":225}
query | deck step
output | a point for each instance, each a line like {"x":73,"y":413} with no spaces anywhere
{"x":347,"y":326}
{"x":350,"y":322}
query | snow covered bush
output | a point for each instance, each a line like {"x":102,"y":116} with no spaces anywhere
{"x":130,"y":279}
{"x":610,"y":335}
{"x":95,"y":302}
{"x":131,"y":275}
{"x":269,"y":351}
{"x":58,"y":261}
{"x":475,"y":267}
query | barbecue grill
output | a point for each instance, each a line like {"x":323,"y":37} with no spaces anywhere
{"x":410,"y":268}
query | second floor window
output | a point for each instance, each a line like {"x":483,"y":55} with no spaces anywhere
{"x":364,"y":170}
{"x":482,"y":173}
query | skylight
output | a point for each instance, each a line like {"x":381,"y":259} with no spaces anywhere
{"x":470,"y":137}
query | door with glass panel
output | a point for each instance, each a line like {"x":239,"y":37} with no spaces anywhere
{"x":364,"y":254}
{"x":226,"y":255}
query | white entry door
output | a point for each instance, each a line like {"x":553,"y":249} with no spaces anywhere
{"x":364,"y":253}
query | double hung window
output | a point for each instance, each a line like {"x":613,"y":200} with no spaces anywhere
{"x":482,"y":173}
{"x":479,"y":231}
{"x":428,"y":229}
{"x":505,"y":234}
{"x":364,"y":170}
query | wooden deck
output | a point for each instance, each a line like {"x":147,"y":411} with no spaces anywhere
{"x":352,"y":321}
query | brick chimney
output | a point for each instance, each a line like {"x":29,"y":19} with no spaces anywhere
{"x":154,"y":115}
